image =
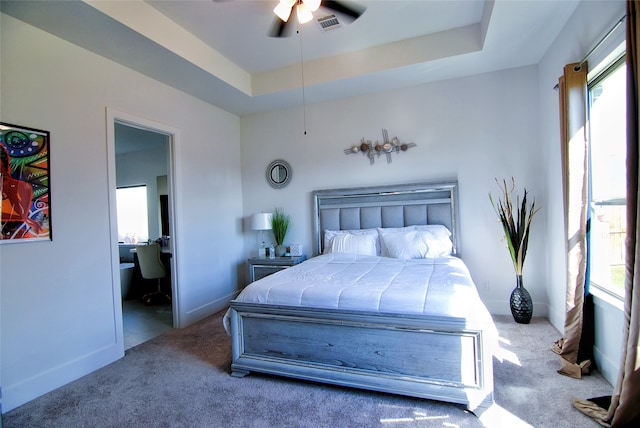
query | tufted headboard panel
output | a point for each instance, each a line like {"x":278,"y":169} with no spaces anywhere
{"x":385,"y":206}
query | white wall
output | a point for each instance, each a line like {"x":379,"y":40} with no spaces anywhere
{"x":58,"y":318}
{"x":590,"y":22}
{"x":471,"y":129}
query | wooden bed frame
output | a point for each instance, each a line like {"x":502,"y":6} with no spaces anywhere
{"x":431,"y":357}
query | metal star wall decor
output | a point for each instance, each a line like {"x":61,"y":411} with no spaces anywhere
{"x":387,"y":147}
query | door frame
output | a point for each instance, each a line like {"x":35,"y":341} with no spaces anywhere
{"x":112,"y":117}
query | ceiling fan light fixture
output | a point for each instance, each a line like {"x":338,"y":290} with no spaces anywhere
{"x":313,"y":5}
{"x":283,"y":9}
{"x":304,"y":13}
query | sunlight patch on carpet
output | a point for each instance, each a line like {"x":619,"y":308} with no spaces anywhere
{"x":503,"y":353}
{"x":496,"y":416}
{"x":417,"y":416}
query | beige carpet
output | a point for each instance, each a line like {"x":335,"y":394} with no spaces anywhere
{"x":181,"y":379}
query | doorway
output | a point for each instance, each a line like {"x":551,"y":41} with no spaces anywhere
{"x":141,"y":154}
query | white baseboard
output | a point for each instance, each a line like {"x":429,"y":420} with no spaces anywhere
{"x":501,"y":307}
{"x":189,"y":317}
{"x":41,"y":383}
{"x":606,"y":367}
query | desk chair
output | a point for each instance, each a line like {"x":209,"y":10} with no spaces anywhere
{"x":151,"y":267}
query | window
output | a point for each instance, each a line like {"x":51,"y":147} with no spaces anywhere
{"x":608,"y":187}
{"x":133,"y":222}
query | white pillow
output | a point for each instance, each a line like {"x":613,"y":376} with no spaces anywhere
{"x":438,"y":240}
{"x":437,"y":229}
{"x":330,"y":234}
{"x":411,"y":244}
{"x":382,"y":231}
{"x":364,"y":244}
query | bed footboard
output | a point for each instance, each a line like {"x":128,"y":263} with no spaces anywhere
{"x":427,"y":357}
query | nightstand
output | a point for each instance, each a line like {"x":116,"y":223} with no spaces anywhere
{"x":260,"y":267}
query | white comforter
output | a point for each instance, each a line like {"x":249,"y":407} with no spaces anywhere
{"x":437,"y":287}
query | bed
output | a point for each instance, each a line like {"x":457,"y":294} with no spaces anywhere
{"x":385,"y":304}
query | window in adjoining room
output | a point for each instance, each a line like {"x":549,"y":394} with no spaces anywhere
{"x":133,"y":222}
{"x":607,"y":174}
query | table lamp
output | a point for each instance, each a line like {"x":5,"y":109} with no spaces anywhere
{"x":261,"y":222}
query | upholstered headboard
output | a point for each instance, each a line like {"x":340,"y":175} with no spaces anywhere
{"x":386,"y":206}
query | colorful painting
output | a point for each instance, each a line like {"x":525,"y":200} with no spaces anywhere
{"x":24,"y":168}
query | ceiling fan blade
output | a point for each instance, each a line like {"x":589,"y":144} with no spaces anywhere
{"x":340,"y":7}
{"x":279,"y":28}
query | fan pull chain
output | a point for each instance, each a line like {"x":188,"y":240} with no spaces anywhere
{"x":304,"y":104}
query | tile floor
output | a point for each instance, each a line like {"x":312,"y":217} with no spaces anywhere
{"x":142,"y":323}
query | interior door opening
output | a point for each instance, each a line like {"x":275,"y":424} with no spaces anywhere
{"x":142,"y":159}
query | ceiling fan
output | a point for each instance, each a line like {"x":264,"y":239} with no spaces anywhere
{"x":304,"y":12}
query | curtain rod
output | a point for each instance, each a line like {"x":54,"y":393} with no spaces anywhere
{"x":606,"y":36}
{"x":602,"y":40}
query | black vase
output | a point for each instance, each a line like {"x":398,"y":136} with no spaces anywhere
{"x":520,"y":302}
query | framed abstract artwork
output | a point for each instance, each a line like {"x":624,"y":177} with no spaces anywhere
{"x":24,"y":170}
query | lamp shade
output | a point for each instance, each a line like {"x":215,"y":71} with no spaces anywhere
{"x":313,"y":5}
{"x":304,"y":13}
{"x":261,"y":221}
{"x":283,"y":9}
